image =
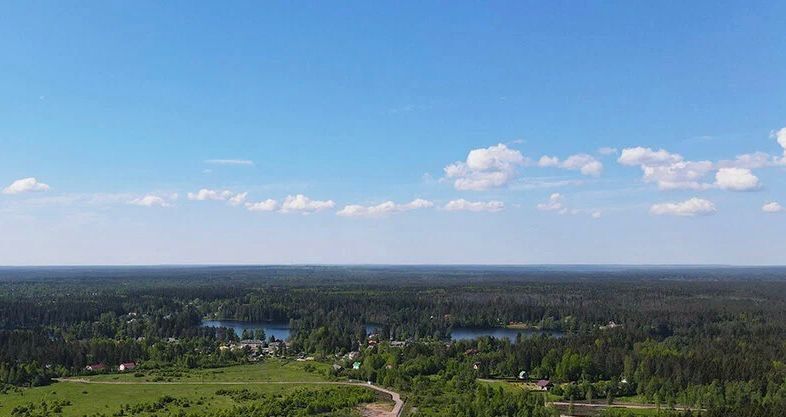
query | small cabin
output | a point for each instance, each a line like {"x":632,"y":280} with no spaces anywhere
{"x":96,"y":367}
{"x":544,"y":385}
{"x":126,"y":366}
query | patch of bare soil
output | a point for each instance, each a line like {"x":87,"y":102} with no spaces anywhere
{"x":378,"y":409}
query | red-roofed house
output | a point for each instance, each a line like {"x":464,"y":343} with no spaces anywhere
{"x":126,"y":366}
{"x":96,"y":367}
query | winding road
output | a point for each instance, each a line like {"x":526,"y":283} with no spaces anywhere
{"x":398,"y":406}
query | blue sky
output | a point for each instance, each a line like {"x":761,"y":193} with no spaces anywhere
{"x":422,"y":132}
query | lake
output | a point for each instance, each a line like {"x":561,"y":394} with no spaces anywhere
{"x":470,"y":333}
{"x":279,"y":330}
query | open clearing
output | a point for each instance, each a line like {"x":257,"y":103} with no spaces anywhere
{"x":106,"y":393}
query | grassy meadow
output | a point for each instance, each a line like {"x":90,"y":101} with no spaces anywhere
{"x":196,"y":389}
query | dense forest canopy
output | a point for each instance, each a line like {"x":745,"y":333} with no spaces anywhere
{"x":710,"y":337}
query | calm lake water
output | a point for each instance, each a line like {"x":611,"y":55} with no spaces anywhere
{"x":279,"y":330}
{"x":469,"y":333}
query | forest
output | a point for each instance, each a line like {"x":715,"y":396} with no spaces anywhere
{"x":709,"y":339}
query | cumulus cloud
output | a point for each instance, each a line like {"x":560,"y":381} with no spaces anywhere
{"x":772,"y":207}
{"x":556,"y":203}
{"x":485,"y":168}
{"x":670,"y":171}
{"x":302,"y":204}
{"x":238,"y":199}
{"x":780,"y":135}
{"x":586,"y":164}
{"x":546,"y":161}
{"x":266,"y":205}
{"x":229,"y":162}
{"x":688,"y":208}
{"x":205,"y":194}
{"x":680,"y":175}
{"x":25,"y":185}
{"x":646,"y":156}
{"x":383,"y":209}
{"x":464,"y":205}
{"x":736,"y":179}
{"x":750,"y":161}
{"x":150,"y":200}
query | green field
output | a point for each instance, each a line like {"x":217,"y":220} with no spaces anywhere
{"x":196,"y":389}
{"x":269,"y":370}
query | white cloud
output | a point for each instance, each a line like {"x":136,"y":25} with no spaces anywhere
{"x":238,"y":199}
{"x":267,"y":205}
{"x":678,"y":175}
{"x":772,"y":207}
{"x":587,"y":164}
{"x":464,"y":205}
{"x":596,"y":214}
{"x":417,"y":203}
{"x":205,"y":194}
{"x":781,"y":137}
{"x":383,"y":209}
{"x":668,"y":170}
{"x":485,"y":168}
{"x":646,"y":156}
{"x":229,"y":162}
{"x":606,"y":150}
{"x":150,"y":200}
{"x":689,"y":208}
{"x":556,"y":203}
{"x":303,"y":204}
{"x":736,"y":179}
{"x":750,"y":161}
{"x":548,"y":161}
{"x":25,"y":185}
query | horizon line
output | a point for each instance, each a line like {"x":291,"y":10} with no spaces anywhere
{"x":514,"y":265}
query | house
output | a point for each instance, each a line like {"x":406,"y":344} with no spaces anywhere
{"x":126,"y":366}
{"x":544,"y":385}
{"x":254,"y":345}
{"x":96,"y":367}
{"x":523,"y":375}
{"x":398,"y":343}
{"x":337,"y":367}
{"x":476,"y":366}
{"x":356,"y":365}
{"x":471,"y":352}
